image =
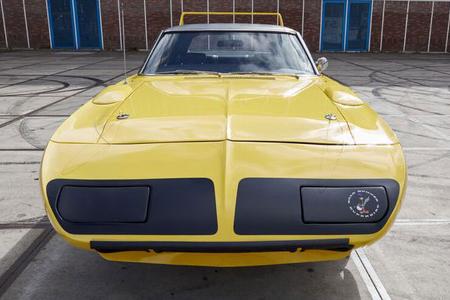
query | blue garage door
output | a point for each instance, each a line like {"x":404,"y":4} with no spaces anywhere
{"x":60,"y":12}
{"x":345,"y":25}
{"x":88,"y":21}
{"x":75,"y":23}
{"x":358,"y":26}
{"x":333,"y":25}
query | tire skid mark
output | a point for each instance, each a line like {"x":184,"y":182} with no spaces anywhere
{"x":57,"y":73}
{"x":18,"y":67}
{"x":417,"y":134}
{"x":376,"y":90}
{"x":423,"y":67}
{"x":63,"y":85}
{"x":55,"y":102}
{"x":376,"y":93}
{"x":36,"y":116}
{"x":35,"y":222}
{"x":29,"y":135}
{"x":381,"y":72}
{"x":436,"y":92}
{"x":428,"y":176}
{"x":7,"y":163}
{"x":19,"y":149}
{"x":428,"y":161}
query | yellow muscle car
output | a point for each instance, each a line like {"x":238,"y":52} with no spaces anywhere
{"x":228,"y":148}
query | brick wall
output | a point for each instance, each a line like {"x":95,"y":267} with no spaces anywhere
{"x":15,"y":23}
{"x":418,"y":26}
{"x":265,"y":6}
{"x":311,"y":33}
{"x":37,"y":24}
{"x":243,"y":5}
{"x":110,"y":24}
{"x":134,"y":24}
{"x":291,"y":10}
{"x":394,"y":26}
{"x":221,"y":5}
{"x":194,"y":5}
{"x":439,"y":30}
{"x":2,"y":34}
{"x":377,"y":15}
{"x":159,"y":17}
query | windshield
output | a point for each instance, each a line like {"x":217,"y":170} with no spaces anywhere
{"x":229,"y":52}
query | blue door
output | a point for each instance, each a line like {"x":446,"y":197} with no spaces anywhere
{"x":75,"y":23}
{"x":88,"y":23}
{"x":345,"y":25}
{"x":333,"y":25}
{"x":61,"y":23}
{"x":358,"y":26}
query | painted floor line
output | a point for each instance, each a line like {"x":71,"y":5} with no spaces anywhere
{"x":365,"y":277}
{"x":419,"y":224}
{"x":373,"y":275}
{"x":426,"y":148}
{"x":416,"y":222}
{"x":369,"y":276}
{"x":421,"y":220}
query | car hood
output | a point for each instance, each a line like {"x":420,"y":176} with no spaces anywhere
{"x":270,"y":109}
{"x":159,"y":109}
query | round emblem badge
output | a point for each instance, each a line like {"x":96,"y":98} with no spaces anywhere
{"x":363,"y":203}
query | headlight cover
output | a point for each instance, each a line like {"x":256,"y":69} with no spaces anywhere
{"x":343,"y":204}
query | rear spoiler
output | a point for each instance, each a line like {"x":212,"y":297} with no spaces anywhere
{"x":240,"y":13}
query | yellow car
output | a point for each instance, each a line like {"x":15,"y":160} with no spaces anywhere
{"x":228,"y":148}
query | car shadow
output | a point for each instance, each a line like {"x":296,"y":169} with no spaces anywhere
{"x":61,"y":271}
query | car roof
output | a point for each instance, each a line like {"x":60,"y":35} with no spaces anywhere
{"x":231,"y":27}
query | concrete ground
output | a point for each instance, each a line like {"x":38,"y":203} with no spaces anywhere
{"x":38,"y":90}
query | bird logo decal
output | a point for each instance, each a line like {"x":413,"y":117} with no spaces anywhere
{"x":363,"y":203}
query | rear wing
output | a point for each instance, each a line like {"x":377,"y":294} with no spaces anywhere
{"x":214,"y":13}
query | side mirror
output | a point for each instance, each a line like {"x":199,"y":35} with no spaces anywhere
{"x":322,"y":64}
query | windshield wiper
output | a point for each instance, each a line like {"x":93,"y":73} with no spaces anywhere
{"x":189,"y":72}
{"x":297,"y":76}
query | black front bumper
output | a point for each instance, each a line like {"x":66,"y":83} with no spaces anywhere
{"x":223,"y":247}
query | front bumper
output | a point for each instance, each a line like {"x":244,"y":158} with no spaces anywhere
{"x":341,"y":245}
{"x":226,"y":225}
